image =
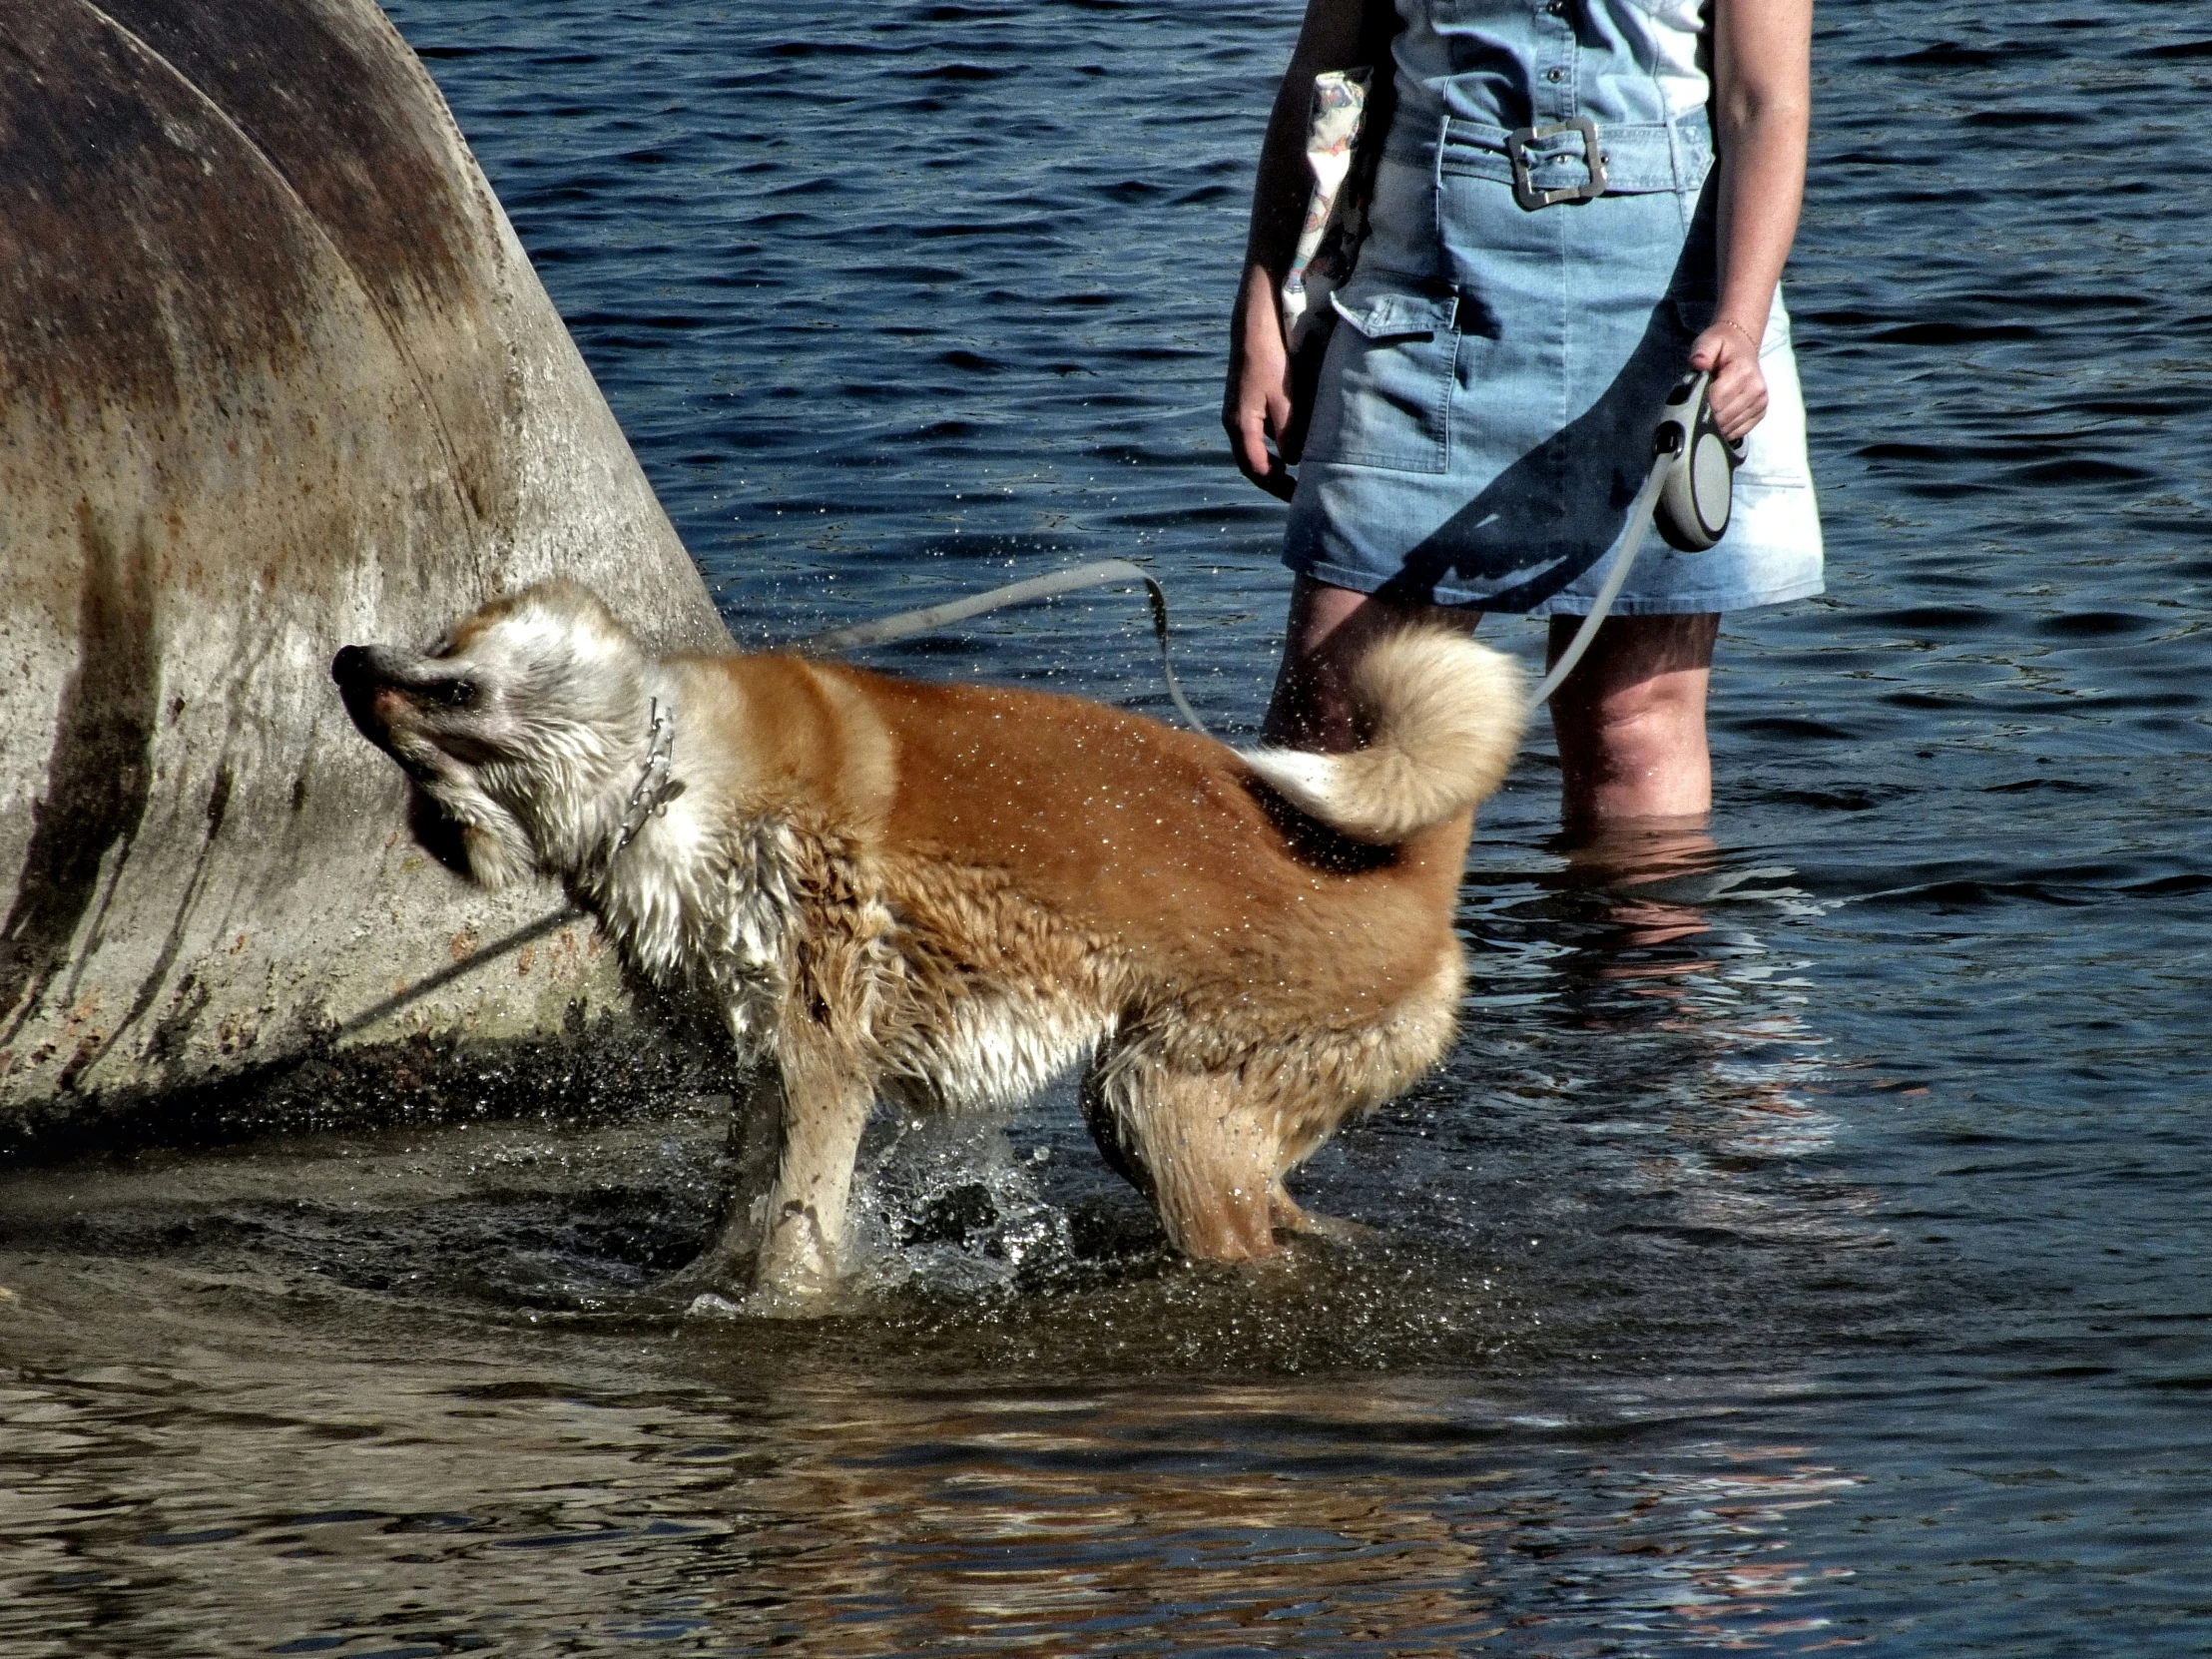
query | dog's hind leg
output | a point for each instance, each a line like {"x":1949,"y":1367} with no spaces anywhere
{"x":1206,"y":1155}
{"x":827,"y":1094}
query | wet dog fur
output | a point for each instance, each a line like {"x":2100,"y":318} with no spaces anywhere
{"x":943,"y":896}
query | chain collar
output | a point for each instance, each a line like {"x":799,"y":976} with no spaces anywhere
{"x":657,"y":785}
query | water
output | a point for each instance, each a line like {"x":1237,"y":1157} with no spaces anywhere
{"x":1805,"y":1245}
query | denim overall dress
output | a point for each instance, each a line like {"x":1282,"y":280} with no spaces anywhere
{"x":1485,"y":414}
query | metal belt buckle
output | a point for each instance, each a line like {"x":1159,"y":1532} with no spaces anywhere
{"x":1516,"y":151}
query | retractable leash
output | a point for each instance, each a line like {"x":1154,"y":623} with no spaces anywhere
{"x":1687,"y":491}
{"x":1694,"y":505}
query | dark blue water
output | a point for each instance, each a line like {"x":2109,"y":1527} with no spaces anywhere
{"x":1806,"y":1245}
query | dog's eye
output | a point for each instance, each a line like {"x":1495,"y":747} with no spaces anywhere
{"x":457,"y":694}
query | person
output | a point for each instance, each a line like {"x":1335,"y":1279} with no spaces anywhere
{"x":1484,"y":414}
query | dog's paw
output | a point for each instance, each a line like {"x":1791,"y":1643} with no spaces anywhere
{"x":712,"y":1304}
{"x":767,"y":1302}
{"x":1334,"y":1230}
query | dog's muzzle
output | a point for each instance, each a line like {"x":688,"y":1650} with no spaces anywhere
{"x":363,"y":671}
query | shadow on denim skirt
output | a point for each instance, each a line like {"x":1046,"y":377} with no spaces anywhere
{"x":1484,"y":413}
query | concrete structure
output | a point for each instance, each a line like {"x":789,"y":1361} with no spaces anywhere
{"x":274,"y":377}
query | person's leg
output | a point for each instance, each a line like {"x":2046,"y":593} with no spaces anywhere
{"x":1329,"y":631}
{"x":1630,"y":720}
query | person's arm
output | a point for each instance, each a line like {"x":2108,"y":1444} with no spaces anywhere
{"x":1762,"y":113}
{"x":1255,"y":406}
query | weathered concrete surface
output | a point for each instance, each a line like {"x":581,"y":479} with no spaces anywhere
{"x":275,"y":375}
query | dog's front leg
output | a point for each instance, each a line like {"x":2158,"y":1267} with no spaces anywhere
{"x":828,"y":1094}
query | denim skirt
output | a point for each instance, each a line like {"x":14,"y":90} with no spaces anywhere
{"x":1484,"y":413}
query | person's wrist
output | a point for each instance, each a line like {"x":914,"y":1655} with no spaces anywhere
{"x":1731,"y":322}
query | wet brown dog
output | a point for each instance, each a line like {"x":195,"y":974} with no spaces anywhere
{"x":945,"y":894}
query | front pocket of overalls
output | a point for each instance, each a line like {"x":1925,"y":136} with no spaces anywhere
{"x":1385,"y":399}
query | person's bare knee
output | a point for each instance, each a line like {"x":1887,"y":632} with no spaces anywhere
{"x":1631,"y":721}
{"x":1667,"y":701}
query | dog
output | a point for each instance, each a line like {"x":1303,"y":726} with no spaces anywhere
{"x":943,"y":896}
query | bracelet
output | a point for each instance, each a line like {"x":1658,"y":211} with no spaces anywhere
{"x":1731,"y":322}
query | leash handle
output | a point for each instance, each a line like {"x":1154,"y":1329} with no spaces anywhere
{"x":1097,"y":574}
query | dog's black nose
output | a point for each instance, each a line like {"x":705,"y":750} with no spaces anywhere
{"x":355,"y":668}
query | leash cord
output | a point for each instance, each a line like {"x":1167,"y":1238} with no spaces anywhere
{"x":1099,"y":573}
{"x":907,"y":624}
{"x":1623,"y":555}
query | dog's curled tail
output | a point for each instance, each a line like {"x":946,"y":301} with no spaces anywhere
{"x":1442,"y":719}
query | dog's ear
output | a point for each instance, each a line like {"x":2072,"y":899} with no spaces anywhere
{"x":487,"y":846}
{"x":435,"y":833}
{"x":499,"y":853}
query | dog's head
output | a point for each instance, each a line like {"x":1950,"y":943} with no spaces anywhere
{"x":524,"y":725}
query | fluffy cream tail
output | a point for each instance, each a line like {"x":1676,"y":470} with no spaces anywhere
{"x":1442,"y":717}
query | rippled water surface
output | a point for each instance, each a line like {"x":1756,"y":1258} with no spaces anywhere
{"x":1806,"y":1245}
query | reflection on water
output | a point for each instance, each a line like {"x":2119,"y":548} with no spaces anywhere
{"x":430,"y":1489}
{"x":1805,"y":1243}
{"x":391,"y":1392}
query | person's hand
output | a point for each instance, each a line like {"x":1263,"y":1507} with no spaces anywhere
{"x":1729,"y":351}
{"x":1256,"y":403}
